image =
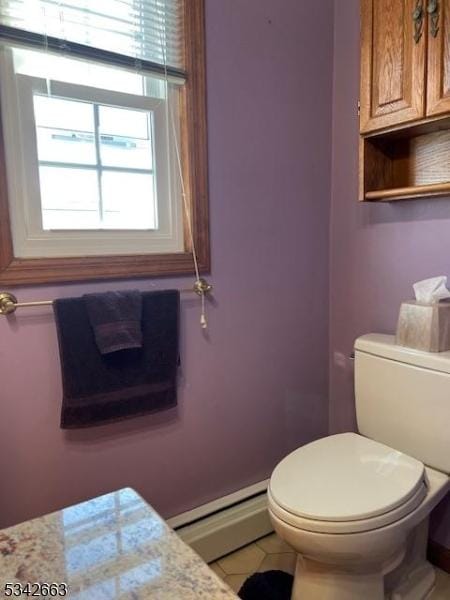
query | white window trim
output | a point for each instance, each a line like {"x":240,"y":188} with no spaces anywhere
{"x":29,"y":238}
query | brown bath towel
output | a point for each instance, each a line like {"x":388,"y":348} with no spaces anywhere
{"x":116,"y":319}
{"x":102,"y":388}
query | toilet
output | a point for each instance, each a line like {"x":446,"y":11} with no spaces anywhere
{"x":355,"y":507}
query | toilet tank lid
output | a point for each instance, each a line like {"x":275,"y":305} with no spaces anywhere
{"x":384,"y":346}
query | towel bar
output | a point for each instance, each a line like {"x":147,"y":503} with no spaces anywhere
{"x":9,"y":303}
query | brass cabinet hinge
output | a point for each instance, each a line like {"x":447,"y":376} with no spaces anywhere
{"x":433,"y":11}
{"x":418,"y":17}
{"x":359,"y":108}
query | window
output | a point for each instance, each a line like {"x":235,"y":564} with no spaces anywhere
{"x":101,"y":150}
{"x":104,"y":172}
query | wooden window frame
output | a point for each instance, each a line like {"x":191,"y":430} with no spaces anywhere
{"x":23,"y":271}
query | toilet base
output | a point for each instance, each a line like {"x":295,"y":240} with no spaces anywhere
{"x":418,"y":585}
{"x":405,"y":575}
{"x":315,"y":581}
{"x":414,"y":577}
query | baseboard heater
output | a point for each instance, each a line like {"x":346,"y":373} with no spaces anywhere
{"x":225,"y":524}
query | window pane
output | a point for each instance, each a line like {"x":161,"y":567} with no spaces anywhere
{"x":66,"y":146}
{"x":123,"y":121}
{"x":65,"y":130}
{"x":69,"y":198}
{"x":128,"y":201}
{"x":70,"y":219}
{"x":62,"y":113}
{"x":125,"y":139}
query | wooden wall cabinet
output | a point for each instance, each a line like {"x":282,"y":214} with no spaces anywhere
{"x":392,"y":65}
{"x":438,"y":79}
{"x":405,"y":99}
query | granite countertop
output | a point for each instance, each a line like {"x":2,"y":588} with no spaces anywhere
{"x":109,"y":548}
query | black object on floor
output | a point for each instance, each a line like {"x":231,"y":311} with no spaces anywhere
{"x":270,"y":585}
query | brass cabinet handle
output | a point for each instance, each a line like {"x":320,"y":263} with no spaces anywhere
{"x":418,"y":14}
{"x":433,"y":11}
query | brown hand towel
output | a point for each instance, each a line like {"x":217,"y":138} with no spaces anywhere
{"x":116,"y":319}
{"x":103,"y":388}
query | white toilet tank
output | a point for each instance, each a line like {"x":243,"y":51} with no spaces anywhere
{"x":403,"y":398}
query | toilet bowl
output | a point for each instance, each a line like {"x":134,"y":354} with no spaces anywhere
{"x":356,"y":509}
{"x":355,"y":514}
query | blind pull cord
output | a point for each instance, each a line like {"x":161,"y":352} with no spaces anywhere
{"x":170,"y":119}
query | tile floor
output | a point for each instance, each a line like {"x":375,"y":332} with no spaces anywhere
{"x":272,"y":553}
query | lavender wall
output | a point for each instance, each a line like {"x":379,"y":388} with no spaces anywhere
{"x":377,"y":250}
{"x":257,"y":386}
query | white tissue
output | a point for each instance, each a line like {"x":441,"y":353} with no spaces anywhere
{"x":430,"y":291}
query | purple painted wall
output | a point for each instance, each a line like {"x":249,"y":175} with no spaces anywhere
{"x":257,"y":386}
{"x":377,"y":251}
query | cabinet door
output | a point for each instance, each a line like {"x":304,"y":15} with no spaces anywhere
{"x":438,"y":94}
{"x":393,"y":47}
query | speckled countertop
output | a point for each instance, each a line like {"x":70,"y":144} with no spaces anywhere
{"x":109,"y":548}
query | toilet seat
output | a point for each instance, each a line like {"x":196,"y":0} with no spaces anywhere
{"x":345,"y":483}
{"x":342,"y":527}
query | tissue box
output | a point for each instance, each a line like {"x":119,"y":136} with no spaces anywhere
{"x":424,"y":326}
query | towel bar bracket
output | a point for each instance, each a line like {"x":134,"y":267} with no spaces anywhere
{"x":7,"y":303}
{"x":201,"y":287}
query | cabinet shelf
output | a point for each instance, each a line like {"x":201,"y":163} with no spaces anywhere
{"x":413,"y":164}
{"x":409,"y":192}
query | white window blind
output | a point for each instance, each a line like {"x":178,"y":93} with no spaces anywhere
{"x":147,"y":32}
